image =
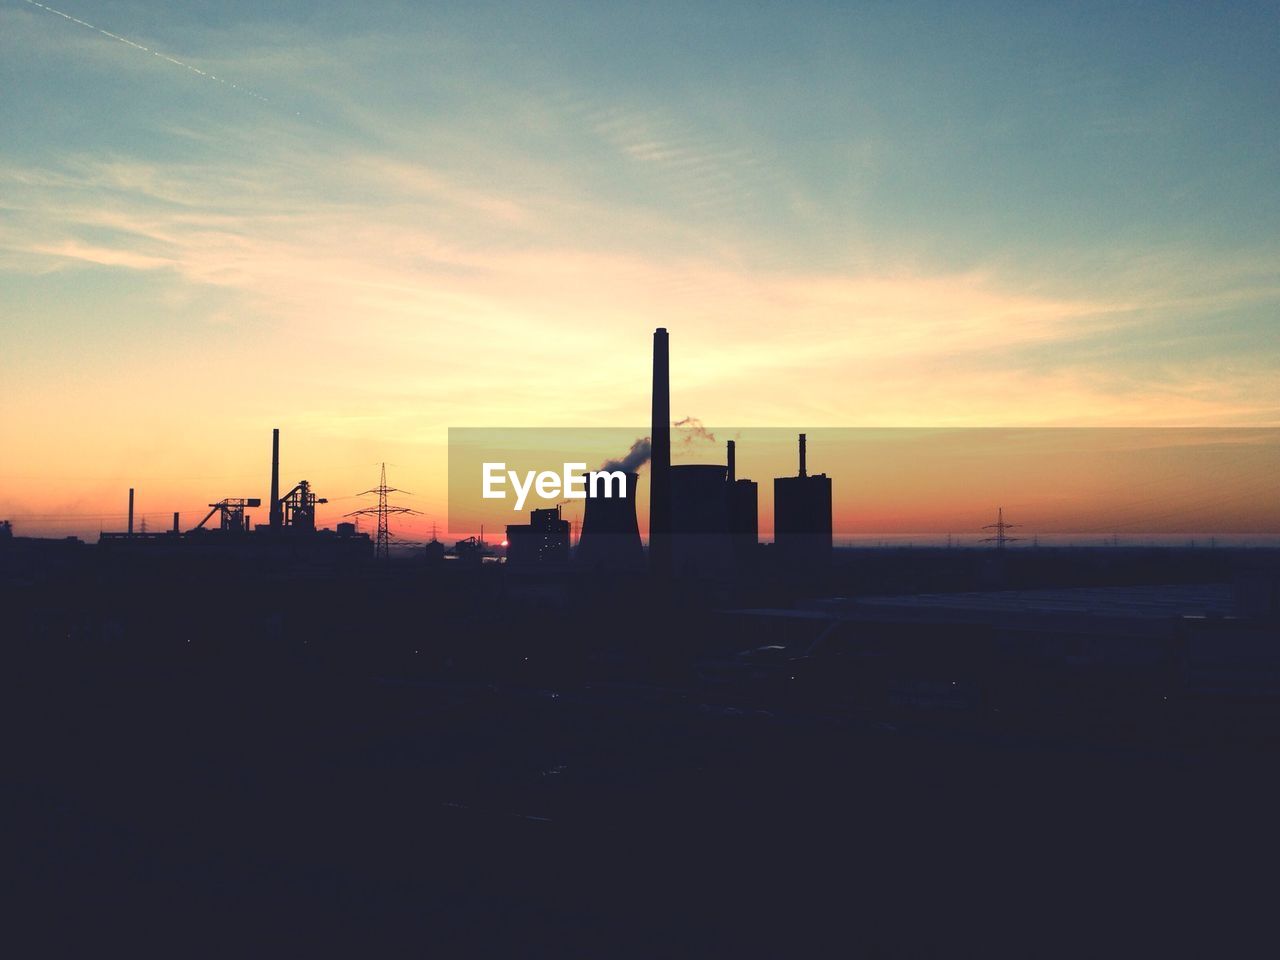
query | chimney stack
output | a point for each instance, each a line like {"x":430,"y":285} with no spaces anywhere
{"x":660,"y":462}
{"x":131,"y":511}
{"x":803,"y":471}
{"x":276,"y":515}
{"x":175,"y":521}
{"x":733,"y":462}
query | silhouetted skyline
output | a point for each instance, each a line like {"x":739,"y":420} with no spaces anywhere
{"x":807,"y":275}
{"x":929,"y":215}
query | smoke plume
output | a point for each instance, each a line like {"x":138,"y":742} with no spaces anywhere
{"x":692,"y":430}
{"x":634,"y":459}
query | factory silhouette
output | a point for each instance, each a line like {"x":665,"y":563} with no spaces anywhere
{"x":291,"y":522}
{"x":708,"y":747}
{"x":703,"y":522}
{"x":703,"y":518}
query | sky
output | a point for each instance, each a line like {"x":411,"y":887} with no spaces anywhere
{"x":365,"y":224}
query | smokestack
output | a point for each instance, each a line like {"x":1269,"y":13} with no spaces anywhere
{"x":803,"y":471}
{"x":277,"y":517}
{"x":733,"y":462}
{"x":131,"y":511}
{"x":175,"y":521}
{"x":660,"y":462}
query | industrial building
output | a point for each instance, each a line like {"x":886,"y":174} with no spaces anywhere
{"x":702,"y":518}
{"x":700,"y":543}
{"x":802,"y":517}
{"x":744,"y":507}
{"x":290,"y":534}
{"x":544,"y":539}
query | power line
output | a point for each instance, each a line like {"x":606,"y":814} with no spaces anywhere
{"x":382,"y":545}
{"x":1000,"y":527}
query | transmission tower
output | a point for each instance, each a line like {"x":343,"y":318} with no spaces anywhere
{"x":382,"y":544}
{"x":1001,"y":528}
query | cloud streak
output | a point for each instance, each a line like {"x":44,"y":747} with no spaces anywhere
{"x":444,"y":243}
{"x":155,"y":53}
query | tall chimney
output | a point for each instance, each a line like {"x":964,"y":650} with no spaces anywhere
{"x":733,"y":462}
{"x":803,"y":471}
{"x":277,"y":516}
{"x":175,"y":521}
{"x":131,"y":511}
{"x":660,"y":460}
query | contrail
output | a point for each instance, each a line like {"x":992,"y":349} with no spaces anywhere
{"x":154,"y":53}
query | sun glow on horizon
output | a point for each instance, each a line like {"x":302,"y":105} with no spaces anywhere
{"x":406,"y":239}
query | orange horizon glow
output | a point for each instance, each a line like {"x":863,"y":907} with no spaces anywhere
{"x":926,"y":482}
{"x":365,"y":244}
{"x":903,"y":482}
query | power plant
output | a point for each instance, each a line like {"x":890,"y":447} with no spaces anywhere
{"x":703,"y":518}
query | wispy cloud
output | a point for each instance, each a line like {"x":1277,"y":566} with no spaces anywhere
{"x":436,"y":241}
{"x":104,"y":256}
{"x":434,"y":267}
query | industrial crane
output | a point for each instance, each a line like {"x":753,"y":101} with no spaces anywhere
{"x":231,"y":512}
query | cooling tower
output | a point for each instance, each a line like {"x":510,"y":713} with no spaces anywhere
{"x":610,"y":534}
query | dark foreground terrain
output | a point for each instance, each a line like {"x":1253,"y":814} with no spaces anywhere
{"x":196,"y":807}
{"x":250,"y":766}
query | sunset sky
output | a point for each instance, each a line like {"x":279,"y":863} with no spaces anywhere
{"x":367,"y":223}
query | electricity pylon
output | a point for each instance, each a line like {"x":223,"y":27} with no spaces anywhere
{"x":382,"y":544}
{"x":1001,"y":528}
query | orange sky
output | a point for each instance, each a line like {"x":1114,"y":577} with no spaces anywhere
{"x":383,"y":221}
{"x":74,"y":450}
